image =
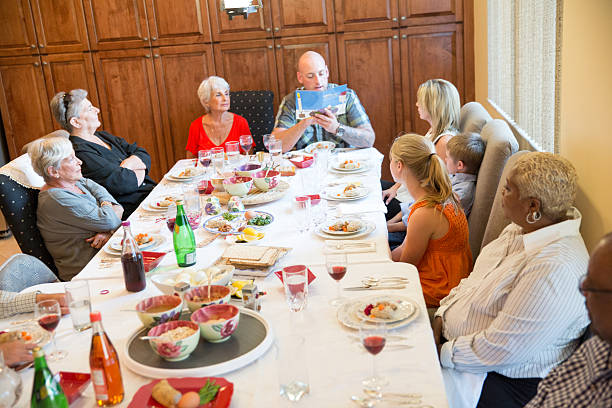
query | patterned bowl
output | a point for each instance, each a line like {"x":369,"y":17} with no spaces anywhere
{"x":247,"y":170}
{"x":174,"y":350}
{"x":238,"y":186}
{"x":217,"y":322}
{"x":196,"y":298}
{"x":159,"y":309}
{"x":266,"y":182}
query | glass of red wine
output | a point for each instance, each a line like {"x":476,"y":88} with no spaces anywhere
{"x":373,"y":336}
{"x":246,"y":143}
{"x":205,"y":158}
{"x":336,"y":267}
{"x":48,"y":314}
{"x":295,"y":282}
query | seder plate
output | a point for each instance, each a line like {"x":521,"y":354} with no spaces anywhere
{"x":347,"y":313}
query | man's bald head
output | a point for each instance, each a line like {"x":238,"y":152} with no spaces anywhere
{"x":599,"y":280}
{"x":312,"y":71}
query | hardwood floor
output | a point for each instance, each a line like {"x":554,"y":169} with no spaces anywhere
{"x":8,"y":247}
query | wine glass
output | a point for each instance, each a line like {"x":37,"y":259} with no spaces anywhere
{"x":171,"y":217}
{"x":373,"y":337}
{"x":205,"y":158}
{"x":336,"y":267}
{"x":246,"y":143}
{"x":48,"y":314}
{"x":267,"y":139}
{"x":295,"y":281}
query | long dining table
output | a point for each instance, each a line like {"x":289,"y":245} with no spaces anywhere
{"x":335,"y":360}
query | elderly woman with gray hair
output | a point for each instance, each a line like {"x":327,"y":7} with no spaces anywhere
{"x":217,"y":126}
{"x":75,"y":215}
{"x":519,"y":313}
{"x":120,"y":167}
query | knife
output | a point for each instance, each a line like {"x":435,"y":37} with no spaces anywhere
{"x":378,"y":287}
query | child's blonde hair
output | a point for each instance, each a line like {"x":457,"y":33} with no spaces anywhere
{"x":468,"y":148}
{"x":418,"y":154}
{"x":441,"y":100}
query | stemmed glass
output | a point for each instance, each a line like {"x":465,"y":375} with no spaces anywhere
{"x":48,"y":314}
{"x":295,"y":281}
{"x":336,"y":267}
{"x":246,"y":143}
{"x":373,"y":337}
{"x":205,"y":158}
{"x":267,"y":139}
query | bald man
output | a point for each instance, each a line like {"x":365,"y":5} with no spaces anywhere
{"x":351,"y":129}
{"x":585,"y":379}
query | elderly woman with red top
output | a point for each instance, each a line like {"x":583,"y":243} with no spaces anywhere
{"x":217,"y":126}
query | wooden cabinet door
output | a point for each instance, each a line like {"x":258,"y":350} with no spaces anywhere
{"x":64,"y":72}
{"x":248,"y":65}
{"x":429,"y":52}
{"x":116,"y":24}
{"x":359,"y":15}
{"x":421,"y":12}
{"x":256,"y":25}
{"x":302,"y":17}
{"x":129,"y":101}
{"x":23,"y":102}
{"x":60,"y":25}
{"x":179,"y":72}
{"x":289,"y":50}
{"x":17,"y":35}
{"x":174,"y":22}
{"x":369,"y":63}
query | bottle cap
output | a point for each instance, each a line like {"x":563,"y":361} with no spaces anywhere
{"x":37,"y":352}
{"x":95,"y":316}
{"x":179,"y":201}
{"x":125,"y":223}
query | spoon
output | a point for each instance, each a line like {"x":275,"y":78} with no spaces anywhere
{"x":149,"y":337}
{"x":385,"y":279}
{"x":371,"y":402}
{"x":405,"y":398}
{"x":364,"y":401}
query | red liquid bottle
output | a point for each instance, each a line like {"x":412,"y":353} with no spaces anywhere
{"x":131,"y":261}
{"x":104,"y":363}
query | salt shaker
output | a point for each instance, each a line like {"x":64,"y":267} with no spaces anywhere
{"x":249,"y":298}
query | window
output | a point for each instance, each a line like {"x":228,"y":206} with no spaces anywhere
{"x":523,"y":63}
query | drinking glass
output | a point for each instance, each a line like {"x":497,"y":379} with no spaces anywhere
{"x":205,"y":158}
{"x":292,"y":363}
{"x":218,"y":159}
{"x":171,"y":217}
{"x":373,"y":337}
{"x":246,"y":143}
{"x":309,"y":181}
{"x":191,"y":196}
{"x":79,"y":303}
{"x":48,"y":314}
{"x":295,"y":281}
{"x":267,"y":138}
{"x":276,"y":150}
{"x":302,"y":206}
{"x":232,"y":149}
{"x":336,"y":267}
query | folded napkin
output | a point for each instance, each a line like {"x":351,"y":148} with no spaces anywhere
{"x":349,"y":246}
{"x":360,"y":208}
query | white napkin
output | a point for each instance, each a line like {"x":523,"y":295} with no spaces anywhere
{"x":360,"y":208}
{"x":349,"y":246}
{"x":462,"y":388}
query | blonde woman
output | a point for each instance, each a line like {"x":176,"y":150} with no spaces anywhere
{"x":437,"y":232}
{"x":438,"y":104}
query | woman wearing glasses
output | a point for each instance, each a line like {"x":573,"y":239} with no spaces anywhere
{"x":120,"y":167}
{"x":519,"y":314}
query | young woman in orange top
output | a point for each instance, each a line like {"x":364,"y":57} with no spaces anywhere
{"x":437,"y":232}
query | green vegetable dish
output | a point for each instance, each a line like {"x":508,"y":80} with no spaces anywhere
{"x":260,"y":220}
{"x":208,"y":392}
{"x":230,"y":217}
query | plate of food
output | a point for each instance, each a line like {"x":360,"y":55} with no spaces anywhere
{"x":324,"y":232}
{"x":350,"y":191}
{"x":349,"y":165}
{"x":385,"y":309}
{"x":162,"y":202}
{"x":348,"y":316}
{"x":347,"y":226}
{"x":30,"y":332}
{"x":144,"y":241}
{"x":167,"y":277}
{"x":319,"y":146}
{"x":235,"y":222}
{"x":185,"y":174}
{"x":188,"y":392}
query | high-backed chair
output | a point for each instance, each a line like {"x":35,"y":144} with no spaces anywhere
{"x":21,"y":271}
{"x":19,"y":188}
{"x":258,"y":109}
{"x":473,"y":117}
{"x":500,"y":145}
{"x":497,"y":221}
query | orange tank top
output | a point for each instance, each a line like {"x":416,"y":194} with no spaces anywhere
{"x":446,"y":260}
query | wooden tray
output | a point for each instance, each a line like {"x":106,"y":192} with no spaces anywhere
{"x":251,"y":339}
{"x":257,"y":196}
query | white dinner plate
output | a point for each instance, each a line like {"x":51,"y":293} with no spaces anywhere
{"x":179,"y":174}
{"x":362,"y":166}
{"x":319,"y":145}
{"x":158,"y":239}
{"x":328,"y":224}
{"x":405,"y":309}
{"x":336,"y":193}
{"x":153,"y":203}
{"x":369,"y":227}
{"x":347,"y":316}
{"x":40,"y":336}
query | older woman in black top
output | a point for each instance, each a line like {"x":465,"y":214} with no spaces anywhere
{"x":110,"y":161}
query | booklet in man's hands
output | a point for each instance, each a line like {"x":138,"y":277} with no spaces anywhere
{"x":309,"y":103}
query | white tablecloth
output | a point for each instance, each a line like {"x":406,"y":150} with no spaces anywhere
{"x":336,"y":362}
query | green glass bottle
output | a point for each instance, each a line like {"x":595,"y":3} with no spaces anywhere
{"x":183,"y":238}
{"x":46,"y":392}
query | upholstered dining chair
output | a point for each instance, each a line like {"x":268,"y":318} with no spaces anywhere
{"x":19,"y":188}
{"x":500,"y":145}
{"x":473,"y":117}
{"x":257,"y":107}
{"x":21,"y":271}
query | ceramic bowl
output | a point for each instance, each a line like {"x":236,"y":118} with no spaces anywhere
{"x":177,"y":350}
{"x":162,"y":280}
{"x":238,"y":186}
{"x":170,"y":309}
{"x":302,"y":162}
{"x":217,"y":183}
{"x":266,"y":182}
{"x":219,"y":294}
{"x":213,"y":330}
{"x":247,"y":170}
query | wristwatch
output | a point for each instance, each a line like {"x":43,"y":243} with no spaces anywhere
{"x":340,"y":131}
